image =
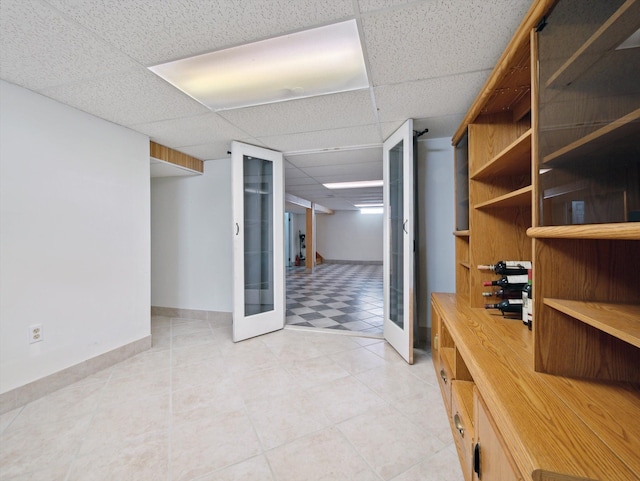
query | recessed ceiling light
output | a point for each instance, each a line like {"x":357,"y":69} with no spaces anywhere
{"x":368,"y":205}
{"x":372,"y":210}
{"x":313,"y":62}
{"x":632,"y":42}
{"x":354,"y":185}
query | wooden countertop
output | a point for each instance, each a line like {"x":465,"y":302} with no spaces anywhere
{"x":552,"y":424}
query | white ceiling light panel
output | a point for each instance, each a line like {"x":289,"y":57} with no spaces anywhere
{"x":313,"y":62}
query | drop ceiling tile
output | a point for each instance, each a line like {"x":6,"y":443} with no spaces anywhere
{"x":211,"y":150}
{"x":207,"y":128}
{"x":128,"y":98}
{"x":41,"y":48}
{"x":346,"y":109}
{"x":299,"y":181}
{"x":434,"y":39}
{"x":368,"y":171}
{"x":439,"y":127}
{"x":429,"y":98}
{"x":368,"y":6}
{"x":324,"y":139}
{"x":295,"y":173}
{"x":152,"y":32}
{"x":389,"y":128}
{"x":338,"y":204}
{"x":336,"y":157}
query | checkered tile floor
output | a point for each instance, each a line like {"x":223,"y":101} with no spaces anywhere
{"x":336,"y":296}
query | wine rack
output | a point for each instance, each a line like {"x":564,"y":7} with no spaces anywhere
{"x":549,"y":165}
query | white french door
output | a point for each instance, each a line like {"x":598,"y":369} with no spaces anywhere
{"x":258,"y":241}
{"x":398,"y":240}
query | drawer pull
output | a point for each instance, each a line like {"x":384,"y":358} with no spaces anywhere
{"x":443,"y":375}
{"x":458,"y":424}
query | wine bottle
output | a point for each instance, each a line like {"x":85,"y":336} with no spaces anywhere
{"x":504,"y":294}
{"x":509,"y":282}
{"x":527,"y":302}
{"x":507,"y":306}
{"x":508,"y":267}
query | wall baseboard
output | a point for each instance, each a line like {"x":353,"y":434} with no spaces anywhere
{"x":220,"y":318}
{"x":340,"y":261}
{"x":22,"y":395}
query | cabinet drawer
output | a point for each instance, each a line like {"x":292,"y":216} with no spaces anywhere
{"x":445,"y":374}
{"x":462,"y":423}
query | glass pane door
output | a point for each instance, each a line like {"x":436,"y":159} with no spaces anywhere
{"x":258,"y":241}
{"x":398,"y":241}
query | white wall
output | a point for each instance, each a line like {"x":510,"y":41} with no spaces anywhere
{"x":436,"y":243}
{"x":74,"y":236}
{"x":191,"y":240}
{"x":298,"y":226}
{"x":350,"y":236}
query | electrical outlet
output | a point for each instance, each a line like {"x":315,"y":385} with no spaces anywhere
{"x":35,"y":333}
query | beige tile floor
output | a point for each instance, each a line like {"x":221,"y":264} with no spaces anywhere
{"x":291,"y":405}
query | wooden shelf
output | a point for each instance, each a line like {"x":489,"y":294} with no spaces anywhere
{"x":515,"y":159}
{"x":546,"y":421}
{"x":448,"y":358}
{"x":513,"y":52}
{"x":610,"y":34}
{"x":619,"y":320}
{"x":617,"y":231}
{"x":463,"y":391}
{"x":600,"y":141}
{"x":517,"y":198}
{"x":461,"y":233}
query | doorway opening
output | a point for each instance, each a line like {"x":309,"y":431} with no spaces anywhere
{"x":347,"y":298}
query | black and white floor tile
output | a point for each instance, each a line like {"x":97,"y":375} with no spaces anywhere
{"x":336,"y":296}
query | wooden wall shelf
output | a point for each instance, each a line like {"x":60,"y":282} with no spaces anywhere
{"x":602,"y":140}
{"x":558,"y":401}
{"x":619,"y":320}
{"x":614,"y":231}
{"x":610,"y":34}
{"x":513,"y":160}
{"x":548,"y":419}
{"x":518,"y":198}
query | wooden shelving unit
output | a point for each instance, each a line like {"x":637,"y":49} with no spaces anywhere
{"x":546,"y":402}
{"x":517,"y":198}
{"x":621,"y":321}
{"x":613,"y":31}
{"x":509,"y":161}
{"x":614,"y":231}
{"x":601,"y":141}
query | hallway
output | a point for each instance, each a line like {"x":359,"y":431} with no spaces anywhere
{"x":346,"y":297}
{"x":287,"y":406}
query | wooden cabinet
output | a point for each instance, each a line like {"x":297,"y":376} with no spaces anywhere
{"x":491,"y":457}
{"x":548,"y":170}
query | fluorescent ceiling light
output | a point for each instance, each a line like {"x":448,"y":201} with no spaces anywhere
{"x":372,"y":210}
{"x":354,"y":185}
{"x":632,"y":42}
{"x":368,"y":205}
{"x":314,"y":62}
